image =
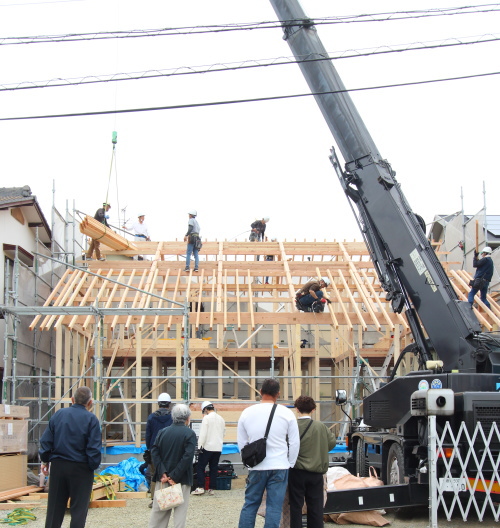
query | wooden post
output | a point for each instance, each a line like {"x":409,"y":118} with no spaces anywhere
{"x":138,"y":386}
{"x":59,"y":355}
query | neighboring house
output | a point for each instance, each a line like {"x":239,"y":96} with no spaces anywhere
{"x":24,"y":231}
{"x":454,"y":238}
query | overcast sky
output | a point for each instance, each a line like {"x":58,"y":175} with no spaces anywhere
{"x":237,"y":162}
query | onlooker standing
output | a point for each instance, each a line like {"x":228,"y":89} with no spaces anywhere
{"x":210,"y":446}
{"x":72,"y":445}
{"x":258,"y":230}
{"x":102,"y":216}
{"x":157,"y":421}
{"x":271,"y":474}
{"x":305,"y":479}
{"x":192,"y":237}
{"x":172,"y":454}
{"x":484,"y":271}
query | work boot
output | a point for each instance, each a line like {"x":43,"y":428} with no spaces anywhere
{"x":211,"y":492}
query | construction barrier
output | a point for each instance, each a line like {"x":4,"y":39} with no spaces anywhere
{"x":470,"y":481}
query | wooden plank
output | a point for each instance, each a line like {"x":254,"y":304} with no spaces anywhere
{"x":83,"y":302}
{"x":132,"y":494}
{"x":118,"y":503}
{"x":161,"y":301}
{"x":250,"y":301}
{"x":200,"y":295}
{"x":123,"y":299}
{"x":18,"y":492}
{"x":104,"y":285}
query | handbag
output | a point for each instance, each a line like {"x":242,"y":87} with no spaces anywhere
{"x":255,"y":452}
{"x":170,"y":497}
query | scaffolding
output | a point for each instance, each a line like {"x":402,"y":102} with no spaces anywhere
{"x":131,"y":329}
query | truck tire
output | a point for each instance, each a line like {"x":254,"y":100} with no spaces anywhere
{"x":395,"y":465}
{"x":361,"y":464}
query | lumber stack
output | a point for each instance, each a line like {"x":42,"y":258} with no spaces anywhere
{"x":13,"y":446}
{"x":94,"y":229}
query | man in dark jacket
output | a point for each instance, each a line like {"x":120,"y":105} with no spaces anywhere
{"x":484,"y":272}
{"x":72,"y":445}
{"x":102,"y":216}
{"x":258,"y":230}
{"x":173,"y":453}
{"x":156,"y":422}
{"x":310,"y":297}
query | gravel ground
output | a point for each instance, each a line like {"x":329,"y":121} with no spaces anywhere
{"x":222,"y":511}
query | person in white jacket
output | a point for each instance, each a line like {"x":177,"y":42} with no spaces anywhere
{"x":210,"y":447}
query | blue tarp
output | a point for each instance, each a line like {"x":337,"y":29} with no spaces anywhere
{"x":130,"y":470}
{"x":121,"y":449}
{"x":339,"y":448}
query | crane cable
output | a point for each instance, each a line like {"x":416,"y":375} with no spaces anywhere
{"x":114,"y":141}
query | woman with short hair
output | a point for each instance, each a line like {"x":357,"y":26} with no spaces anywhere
{"x":172,"y":454}
{"x":305,"y":479}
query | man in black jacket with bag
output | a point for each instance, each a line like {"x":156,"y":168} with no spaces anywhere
{"x":173,"y":453}
{"x":482,"y":278}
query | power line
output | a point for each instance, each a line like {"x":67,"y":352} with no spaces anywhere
{"x":248,"y":64}
{"x":249,"y":26}
{"x":240,"y":101}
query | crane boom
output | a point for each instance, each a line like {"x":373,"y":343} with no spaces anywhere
{"x":406,"y":263}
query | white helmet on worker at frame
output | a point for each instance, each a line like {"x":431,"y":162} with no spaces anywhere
{"x":487,"y":249}
{"x":206,"y":404}
{"x":164,"y":397}
{"x":265,"y":219}
{"x":139,"y":215}
{"x":193,"y":212}
{"x":326,"y":281}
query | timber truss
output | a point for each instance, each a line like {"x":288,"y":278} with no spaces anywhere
{"x":151,"y":327}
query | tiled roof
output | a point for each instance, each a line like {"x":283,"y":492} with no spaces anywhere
{"x":14,"y":194}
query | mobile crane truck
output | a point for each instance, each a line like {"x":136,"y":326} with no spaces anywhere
{"x":452,"y":351}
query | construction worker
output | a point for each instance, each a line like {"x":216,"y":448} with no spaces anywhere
{"x":310,"y":298}
{"x":140,"y":229}
{"x":102,"y":216}
{"x":210,"y":447}
{"x":258,"y":230}
{"x":482,"y":277}
{"x":141,"y":233}
{"x":192,"y":237}
{"x":157,"y":421}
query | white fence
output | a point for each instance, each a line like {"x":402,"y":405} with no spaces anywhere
{"x":471,"y":464}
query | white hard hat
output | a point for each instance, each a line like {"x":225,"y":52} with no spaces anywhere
{"x":164,"y":397}
{"x":205,"y":404}
{"x":193,"y":212}
{"x":141,"y":214}
{"x":325,"y":280}
{"x":266,"y":219}
{"x":487,"y":249}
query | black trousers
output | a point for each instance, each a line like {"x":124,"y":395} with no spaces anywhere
{"x":306,"y":485}
{"x":68,"y":480}
{"x":212,"y":459}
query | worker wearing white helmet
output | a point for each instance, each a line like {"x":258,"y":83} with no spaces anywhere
{"x":310,"y":297}
{"x":192,"y":237}
{"x":210,"y":447}
{"x":258,"y":229}
{"x":482,"y":278}
{"x":157,"y":421}
{"x":140,"y":229}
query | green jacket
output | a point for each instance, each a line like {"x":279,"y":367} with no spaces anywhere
{"x":314,"y":446}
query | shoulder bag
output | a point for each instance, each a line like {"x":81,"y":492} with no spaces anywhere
{"x":255,"y":452}
{"x":305,"y":430}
